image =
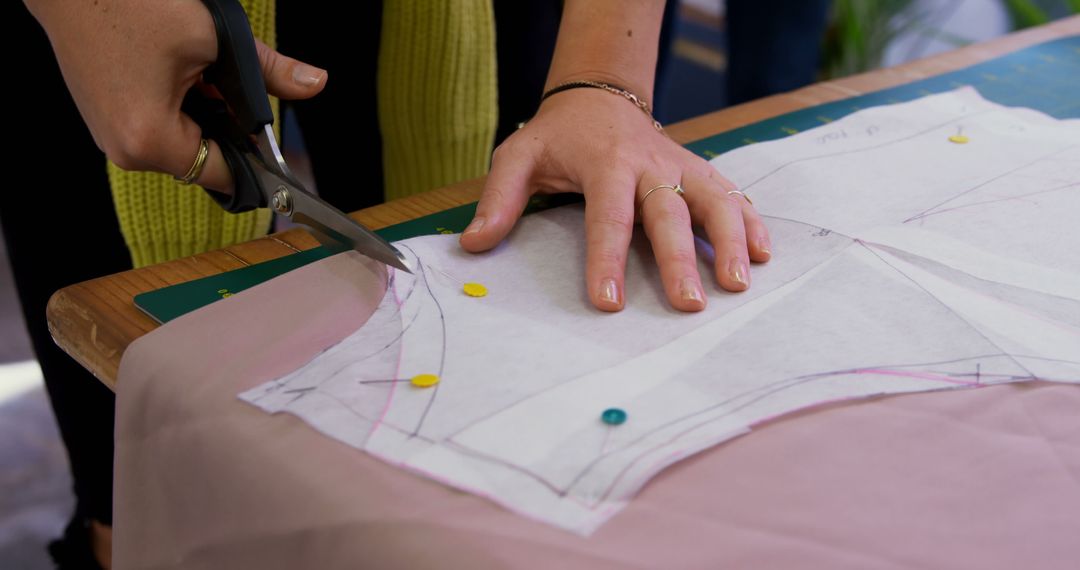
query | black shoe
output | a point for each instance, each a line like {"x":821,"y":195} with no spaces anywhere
{"x":73,"y":551}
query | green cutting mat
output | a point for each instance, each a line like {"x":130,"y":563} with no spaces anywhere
{"x":1044,"y":77}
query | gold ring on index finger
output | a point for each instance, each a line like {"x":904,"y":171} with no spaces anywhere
{"x":676,"y":188}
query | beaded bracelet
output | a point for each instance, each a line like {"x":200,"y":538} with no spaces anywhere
{"x":638,"y":102}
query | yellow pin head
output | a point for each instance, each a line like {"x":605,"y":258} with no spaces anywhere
{"x":424,"y":380}
{"x":474,"y":290}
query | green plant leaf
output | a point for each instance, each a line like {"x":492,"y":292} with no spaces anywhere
{"x":1025,"y":14}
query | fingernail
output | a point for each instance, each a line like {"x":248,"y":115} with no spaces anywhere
{"x":690,"y":290}
{"x":738,"y":272}
{"x":306,"y":75}
{"x":609,"y":291}
{"x":475,"y":226}
{"x":764,"y":246}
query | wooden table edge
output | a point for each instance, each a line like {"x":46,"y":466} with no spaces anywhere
{"x":95,"y":321}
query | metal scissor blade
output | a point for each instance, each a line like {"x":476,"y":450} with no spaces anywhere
{"x":331,"y":222}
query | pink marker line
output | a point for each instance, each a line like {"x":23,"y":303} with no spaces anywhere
{"x":397,"y":371}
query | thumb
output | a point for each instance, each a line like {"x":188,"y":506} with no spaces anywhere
{"x":506,"y":192}
{"x":289,"y":78}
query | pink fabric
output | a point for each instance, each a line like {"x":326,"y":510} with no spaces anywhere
{"x":985,"y":478}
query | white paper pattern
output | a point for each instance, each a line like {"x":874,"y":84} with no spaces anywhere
{"x":903,"y":263}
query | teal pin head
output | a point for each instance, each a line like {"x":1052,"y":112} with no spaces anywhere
{"x":613,"y":416}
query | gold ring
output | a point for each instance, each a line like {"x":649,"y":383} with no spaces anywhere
{"x":748,"y":200}
{"x":196,"y":169}
{"x":676,"y":188}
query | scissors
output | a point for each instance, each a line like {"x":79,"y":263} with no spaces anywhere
{"x":241,"y":123}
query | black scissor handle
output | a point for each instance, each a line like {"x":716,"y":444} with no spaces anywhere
{"x":245,"y":110}
{"x":237,"y":73}
{"x":218,"y":123}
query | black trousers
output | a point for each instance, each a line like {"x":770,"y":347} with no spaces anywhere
{"x":60,"y":229}
{"x":57,"y":212}
{"x":773,"y":46}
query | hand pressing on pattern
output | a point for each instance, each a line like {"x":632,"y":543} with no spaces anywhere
{"x":586,"y":140}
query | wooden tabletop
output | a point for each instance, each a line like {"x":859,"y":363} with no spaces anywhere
{"x":96,"y":320}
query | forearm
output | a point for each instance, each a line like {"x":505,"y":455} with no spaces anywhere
{"x":36,"y":7}
{"x":613,"y":41}
{"x":48,"y":12}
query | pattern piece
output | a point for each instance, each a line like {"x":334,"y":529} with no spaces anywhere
{"x":904,"y":263}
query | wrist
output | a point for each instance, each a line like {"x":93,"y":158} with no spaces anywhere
{"x":641,"y":87}
{"x":613,"y":89}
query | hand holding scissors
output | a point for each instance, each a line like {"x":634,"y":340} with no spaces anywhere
{"x":241,"y":123}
